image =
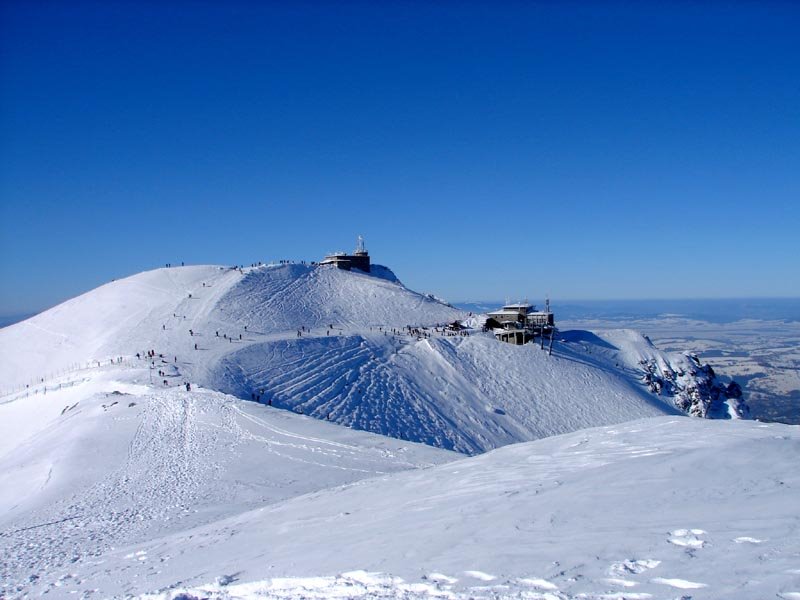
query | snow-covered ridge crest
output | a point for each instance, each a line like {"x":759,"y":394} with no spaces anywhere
{"x":155,"y":310}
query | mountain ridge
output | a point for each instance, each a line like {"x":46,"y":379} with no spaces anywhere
{"x":360,"y":350}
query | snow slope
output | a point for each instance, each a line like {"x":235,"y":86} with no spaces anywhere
{"x":470,"y":394}
{"x":679,"y":377}
{"x":169,"y":460}
{"x":657,"y":508}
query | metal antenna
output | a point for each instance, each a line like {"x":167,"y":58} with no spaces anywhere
{"x":360,"y":245}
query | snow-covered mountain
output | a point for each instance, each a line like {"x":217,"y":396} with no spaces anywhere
{"x":359,"y":350}
{"x":117,"y":480}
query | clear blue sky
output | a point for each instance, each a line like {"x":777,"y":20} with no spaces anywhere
{"x":484,"y":150}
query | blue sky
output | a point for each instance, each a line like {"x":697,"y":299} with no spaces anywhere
{"x":484,"y":150}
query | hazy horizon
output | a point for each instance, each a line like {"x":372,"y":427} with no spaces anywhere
{"x":721,"y":310}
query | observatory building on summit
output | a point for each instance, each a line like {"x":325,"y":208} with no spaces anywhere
{"x":357,"y":260}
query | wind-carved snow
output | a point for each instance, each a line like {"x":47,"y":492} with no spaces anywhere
{"x":634,"y":566}
{"x":679,"y":583}
{"x":537,"y":583}
{"x":480,"y":575}
{"x":690,"y":538}
{"x":621,"y":582}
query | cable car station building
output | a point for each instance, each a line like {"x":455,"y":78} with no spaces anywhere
{"x":522,"y":322}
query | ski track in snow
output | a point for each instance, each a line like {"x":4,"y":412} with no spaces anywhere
{"x":181,"y":444}
{"x":152,"y":486}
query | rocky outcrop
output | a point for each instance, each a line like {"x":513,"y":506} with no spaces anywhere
{"x":694,"y":388}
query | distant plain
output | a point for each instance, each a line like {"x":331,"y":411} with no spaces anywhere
{"x":755,"y":342}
